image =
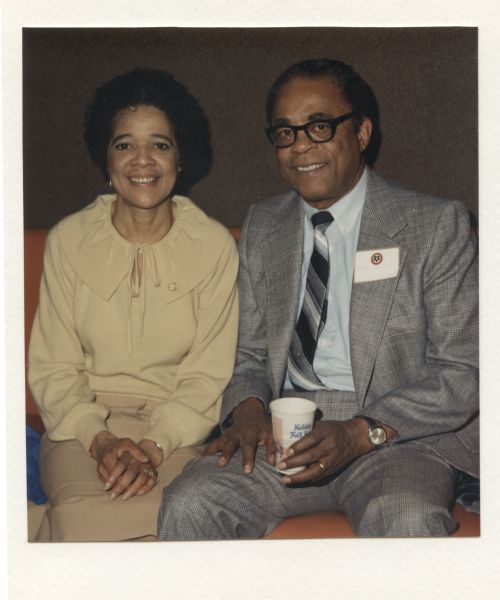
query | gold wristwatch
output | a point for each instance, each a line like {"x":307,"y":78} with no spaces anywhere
{"x":376,"y":433}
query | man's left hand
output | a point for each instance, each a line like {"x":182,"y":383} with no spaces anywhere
{"x":330,"y":446}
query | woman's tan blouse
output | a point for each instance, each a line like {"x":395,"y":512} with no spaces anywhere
{"x":98,"y":329}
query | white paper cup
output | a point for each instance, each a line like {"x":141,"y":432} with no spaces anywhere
{"x":292,"y":418}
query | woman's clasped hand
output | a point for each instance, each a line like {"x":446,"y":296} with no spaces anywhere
{"x":126,"y":469}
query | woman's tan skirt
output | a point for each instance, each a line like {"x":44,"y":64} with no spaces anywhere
{"x":79,"y":508}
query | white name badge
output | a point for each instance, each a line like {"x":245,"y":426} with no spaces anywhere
{"x":373,"y":265}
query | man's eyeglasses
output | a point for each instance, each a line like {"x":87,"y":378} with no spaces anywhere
{"x":319,"y":131}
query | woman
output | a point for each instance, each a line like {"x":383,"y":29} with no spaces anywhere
{"x":135,"y":334}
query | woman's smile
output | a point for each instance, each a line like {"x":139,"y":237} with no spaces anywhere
{"x":143,"y":180}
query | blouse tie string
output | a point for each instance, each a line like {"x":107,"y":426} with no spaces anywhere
{"x":143,"y":266}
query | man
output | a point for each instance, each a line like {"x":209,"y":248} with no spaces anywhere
{"x":362,"y":296}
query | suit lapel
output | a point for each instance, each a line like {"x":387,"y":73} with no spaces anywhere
{"x":283,"y":248}
{"x":371,"y":301}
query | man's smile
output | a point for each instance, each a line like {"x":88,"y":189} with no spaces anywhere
{"x":310,"y":168}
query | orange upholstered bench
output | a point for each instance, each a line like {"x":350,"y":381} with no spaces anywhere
{"x":335,"y":525}
{"x":318,"y":525}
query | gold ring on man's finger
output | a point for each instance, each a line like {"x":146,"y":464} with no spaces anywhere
{"x":321,"y":466}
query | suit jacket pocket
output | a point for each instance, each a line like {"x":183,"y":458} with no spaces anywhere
{"x":408,"y":322}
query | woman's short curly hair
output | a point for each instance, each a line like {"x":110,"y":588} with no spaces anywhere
{"x":156,"y":88}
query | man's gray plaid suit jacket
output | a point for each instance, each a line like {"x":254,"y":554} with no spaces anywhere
{"x":413,"y":337}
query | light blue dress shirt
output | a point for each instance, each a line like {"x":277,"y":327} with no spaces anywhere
{"x":332,"y":361}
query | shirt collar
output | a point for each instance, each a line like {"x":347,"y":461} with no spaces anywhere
{"x":347,"y":210}
{"x":102,"y":258}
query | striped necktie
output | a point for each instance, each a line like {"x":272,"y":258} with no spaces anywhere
{"x":314,"y":310}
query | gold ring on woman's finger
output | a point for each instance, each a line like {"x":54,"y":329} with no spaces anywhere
{"x":321,"y":466}
{"x":150,"y":472}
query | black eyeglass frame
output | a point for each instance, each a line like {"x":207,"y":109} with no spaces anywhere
{"x":334,"y":123}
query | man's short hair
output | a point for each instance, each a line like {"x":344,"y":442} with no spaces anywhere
{"x":356,"y":92}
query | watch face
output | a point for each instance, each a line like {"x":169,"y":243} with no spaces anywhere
{"x":378,"y":436}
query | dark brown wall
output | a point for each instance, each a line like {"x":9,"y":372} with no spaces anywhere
{"x":425,"y":81}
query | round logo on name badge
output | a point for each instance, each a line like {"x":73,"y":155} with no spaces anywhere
{"x":376,"y":258}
